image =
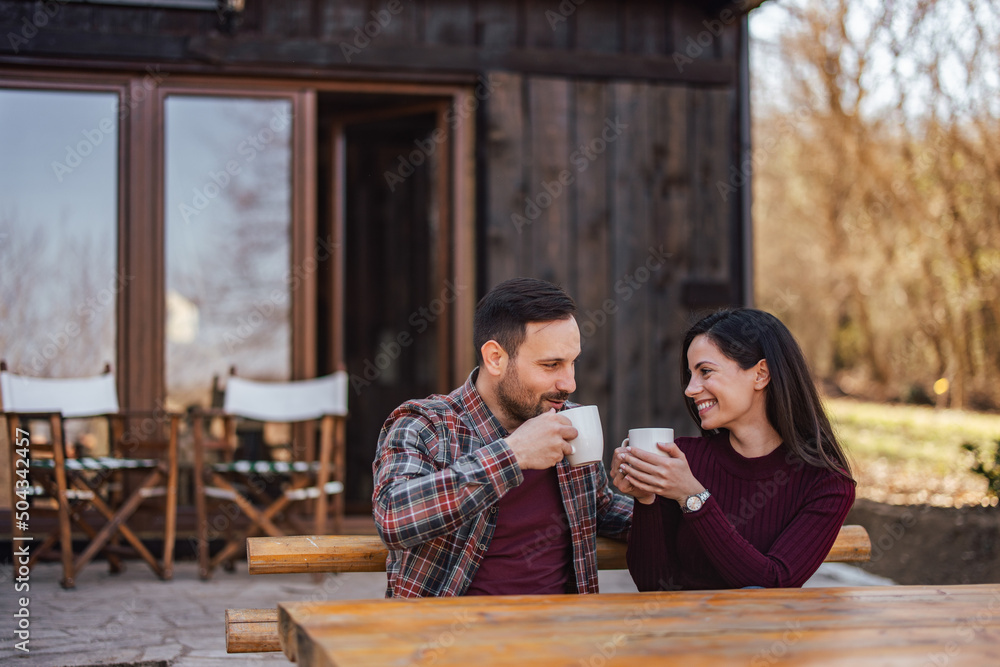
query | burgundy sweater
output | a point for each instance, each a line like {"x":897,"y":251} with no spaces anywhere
{"x":770,"y":522}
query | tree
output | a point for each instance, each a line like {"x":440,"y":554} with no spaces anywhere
{"x":877,"y":200}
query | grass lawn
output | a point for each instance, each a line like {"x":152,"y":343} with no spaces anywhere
{"x":909,"y":454}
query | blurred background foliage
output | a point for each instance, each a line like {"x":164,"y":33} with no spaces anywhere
{"x":877,"y":193}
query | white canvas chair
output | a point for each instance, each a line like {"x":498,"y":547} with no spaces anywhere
{"x":266,"y":491}
{"x":116,"y":485}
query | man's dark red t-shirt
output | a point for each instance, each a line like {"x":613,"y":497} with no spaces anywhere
{"x":531,"y":550}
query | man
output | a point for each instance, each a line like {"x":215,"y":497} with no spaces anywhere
{"x":473,"y":495}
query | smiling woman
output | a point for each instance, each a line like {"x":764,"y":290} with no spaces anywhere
{"x":760,"y":498}
{"x":758,"y":358}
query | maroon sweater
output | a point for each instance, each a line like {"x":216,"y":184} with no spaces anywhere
{"x":770,"y":521}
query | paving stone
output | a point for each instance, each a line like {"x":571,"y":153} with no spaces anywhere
{"x":50,"y":634}
{"x":268,"y":660}
{"x":206,"y":653}
{"x":168,"y":652}
{"x":203,"y":642}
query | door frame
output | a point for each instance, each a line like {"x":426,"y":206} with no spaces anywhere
{"x":302,"y":216}
{"x":456,"y":198}
{"x":454,"y":344}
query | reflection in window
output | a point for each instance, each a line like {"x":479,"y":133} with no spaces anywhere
{"x":58,"y":231}
{"x":228,"y":225}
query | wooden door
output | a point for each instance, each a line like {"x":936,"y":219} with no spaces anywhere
{"x":394,"y":293}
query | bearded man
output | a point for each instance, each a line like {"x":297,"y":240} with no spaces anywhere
{"x":473,"y":493}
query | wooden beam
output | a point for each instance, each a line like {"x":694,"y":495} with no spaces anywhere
{"x":316,"y":553}
{"x":252,"y":631}
{"x":407,"y":58}
{"x":77,"y":43}
{"x":366,"y":553}
{"x":304,"y":239}
{"x":463,"y":238}
{"x":321,"y":60}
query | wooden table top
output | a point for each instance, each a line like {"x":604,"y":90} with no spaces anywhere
{"x":885,"y":625}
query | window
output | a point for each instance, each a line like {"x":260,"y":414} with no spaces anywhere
{"x":178,"y":225}
{"x":228,"y":222}
{"x":58,"y":231}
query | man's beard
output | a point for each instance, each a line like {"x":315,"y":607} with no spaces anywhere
{"x":517,"y":400}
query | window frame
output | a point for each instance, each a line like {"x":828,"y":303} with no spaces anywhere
{"x":119,"y":85}
{"x":302,"y":216}
{"x":140,"y":308}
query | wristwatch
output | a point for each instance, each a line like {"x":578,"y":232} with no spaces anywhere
{"x":695,"y":502}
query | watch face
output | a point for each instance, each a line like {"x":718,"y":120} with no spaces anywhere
{"x":693,"y":503}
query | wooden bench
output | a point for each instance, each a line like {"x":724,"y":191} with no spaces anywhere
{"x":256,"y":630}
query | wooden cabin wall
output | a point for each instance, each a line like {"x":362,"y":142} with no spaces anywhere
{"x":559,"y":82}
{"x":297,"y":34}
{"x":648,"y":207}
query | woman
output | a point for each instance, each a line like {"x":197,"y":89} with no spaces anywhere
{"x":758,"y":500}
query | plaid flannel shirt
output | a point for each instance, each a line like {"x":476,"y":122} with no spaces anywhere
{"x":442,"y":463}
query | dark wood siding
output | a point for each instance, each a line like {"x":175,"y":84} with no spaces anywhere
{"x":642,"y":216}
{"x":640,"y":39}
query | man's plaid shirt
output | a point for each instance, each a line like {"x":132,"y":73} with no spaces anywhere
{"x":442,"y":463}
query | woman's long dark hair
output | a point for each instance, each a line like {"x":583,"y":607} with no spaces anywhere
{"x":793,"y":408}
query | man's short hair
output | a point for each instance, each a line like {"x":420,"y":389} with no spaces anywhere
{"x":503,"y":314}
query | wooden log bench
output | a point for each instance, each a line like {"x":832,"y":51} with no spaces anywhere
{"x":256,"y":630}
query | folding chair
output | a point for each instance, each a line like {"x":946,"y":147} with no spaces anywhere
{"x":264,"y":490}
{"x":116,"y":486}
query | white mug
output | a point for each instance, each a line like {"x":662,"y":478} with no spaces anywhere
{"x":646,"y":438}
{"x":588,"y":446}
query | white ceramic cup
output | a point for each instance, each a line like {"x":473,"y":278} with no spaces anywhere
{"x":588,"y":446}
{"x":646,"y":438}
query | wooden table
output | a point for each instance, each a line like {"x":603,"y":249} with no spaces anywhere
{"x":887,"y":625}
